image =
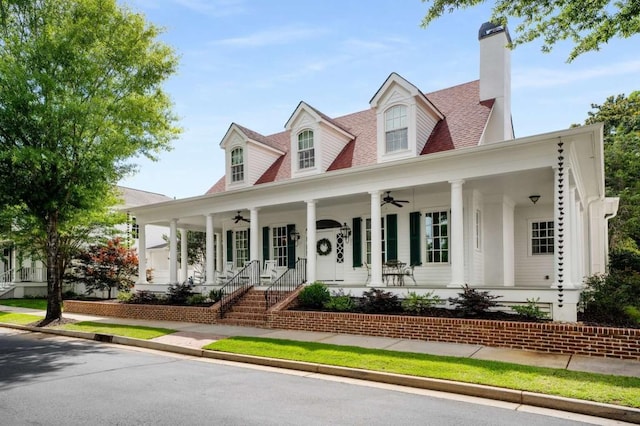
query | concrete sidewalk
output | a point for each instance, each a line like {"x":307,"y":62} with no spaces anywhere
{"x":193,"y":335}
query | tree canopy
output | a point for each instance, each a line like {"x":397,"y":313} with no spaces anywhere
{"x":80,"y":97}
{"x":621,"y":117}
{"x":588,"y":24}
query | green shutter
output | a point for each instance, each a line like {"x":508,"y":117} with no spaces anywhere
{"x":249,"y":245}
{"x":229,"y":246}
{"x":392,"y":237}
{"x":414,"y":238}
{"x":291,"y":248}
{"x":356,"y":228}
{"x":265,"y":243}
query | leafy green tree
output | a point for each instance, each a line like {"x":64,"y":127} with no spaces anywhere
{"x":621,"y":118}
{"x":106,"y":267}
{"x":588,"y":24}
{"x":80,"y":96}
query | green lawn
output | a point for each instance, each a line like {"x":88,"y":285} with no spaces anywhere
{"x":25,"y":303}
{"x":17,"y":318}
{"x":135,"y":331}
{"x":587,"y":386}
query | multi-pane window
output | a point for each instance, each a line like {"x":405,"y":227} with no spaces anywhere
{"x":237,"y":165}
{"x":306,"y":151}
{"x":279,"y":243}
{"x":368,"y":239}
{"x":437,"y":233}
{"x":242,"y":247}
{"x":395,"y":126}
{"x":542,"y":237}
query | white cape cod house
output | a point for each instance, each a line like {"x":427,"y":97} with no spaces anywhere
{"x":435,"y":181}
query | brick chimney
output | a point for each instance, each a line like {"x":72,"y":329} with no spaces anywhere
{"x":495,"y":80}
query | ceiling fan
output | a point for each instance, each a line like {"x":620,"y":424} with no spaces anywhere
{"x":388,"y":199}
{"x":239,"y":218}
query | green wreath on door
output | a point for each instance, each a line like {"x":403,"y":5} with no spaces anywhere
{"x":323,"y":247}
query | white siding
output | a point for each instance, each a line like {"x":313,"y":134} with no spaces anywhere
{"x":424,"y":126}
{"x":258,"y":160}
{"x":531,"y":270}
{"x":329,"y":143}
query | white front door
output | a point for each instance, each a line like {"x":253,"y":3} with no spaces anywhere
{"x":329,"y":255}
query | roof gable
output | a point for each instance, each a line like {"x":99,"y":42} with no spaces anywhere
{"x":303,"y":107}
{"x":389,"y":90}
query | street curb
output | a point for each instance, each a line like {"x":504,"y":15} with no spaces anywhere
{"x":609,"y":411}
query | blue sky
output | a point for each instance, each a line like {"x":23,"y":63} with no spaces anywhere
{"x":252,"y":62}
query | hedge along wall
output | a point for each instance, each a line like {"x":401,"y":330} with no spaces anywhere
{"x":542,"y":337}
{"x":144,"y":312}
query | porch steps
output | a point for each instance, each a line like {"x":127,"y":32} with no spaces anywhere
{"x":249,"y":311}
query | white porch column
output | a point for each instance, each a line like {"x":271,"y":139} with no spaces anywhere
{"x":142,"y":253}
{"x":209,"y":251}
{"x":508,"y":242}
{"x":456,"y":229}
{"x":218,"y":242}
{"x":184,"y":261}
{"x":173,"y":251}
{"x":254,"y":238}
{"x":311,"y":240}
{"x":376,"y":240}
{"x":564,"y":200}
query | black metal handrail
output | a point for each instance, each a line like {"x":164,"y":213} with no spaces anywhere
{"x":288,"y":282}
{"x":239,"y":285}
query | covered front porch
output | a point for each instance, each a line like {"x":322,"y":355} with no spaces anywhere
{"x":527,"y":228}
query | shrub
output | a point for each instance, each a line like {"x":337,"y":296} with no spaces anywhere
{"x":69,"y":294}
{"x":340,"y":302}
{"x":314,"y":295}
{"x":196,"y":299}
{"x":610,"y":299}
{"x":379,"y":301}
{"x":531,"y":310}
{"x":179,"y":293}
{"x":125,"y":296}
{"x":472,"y":302}
{"x":624,"y":259}
{"x":216,"y":294}
{"x":419,"y":303}
{"x":144,"y":297}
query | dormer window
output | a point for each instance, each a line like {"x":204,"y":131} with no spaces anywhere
{"x":237,"y":165}
{"x":306,"y":151}
{"x":395,"y":126}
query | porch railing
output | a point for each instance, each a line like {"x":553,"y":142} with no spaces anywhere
{"x":37,"y":275}
{"x":239,"y":285}
{"x":6,"y":279}
{"x":288,"y":282}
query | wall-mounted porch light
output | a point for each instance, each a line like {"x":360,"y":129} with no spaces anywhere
{"x":534,"y":198}
{"x":346,"y":232}
{"x":295,"y":236}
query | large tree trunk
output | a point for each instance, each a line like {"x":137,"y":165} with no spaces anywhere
{"x":54,"y":287}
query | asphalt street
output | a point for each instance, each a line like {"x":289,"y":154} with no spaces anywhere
{"x":50,"y":380}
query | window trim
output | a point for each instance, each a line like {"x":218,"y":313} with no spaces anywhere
{"x":236,"y":252}
{"x":232,"y":166}
{"x":425,"y":251}
{"x":405,"y":129}
{"x":366,"y":239}
{"x":284,"y":247}
{"x":311,"y":150}
{"x":530,"y":237}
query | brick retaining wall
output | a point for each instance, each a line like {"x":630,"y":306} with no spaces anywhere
{"x":542,"y":337}
{"x":144,"y":312}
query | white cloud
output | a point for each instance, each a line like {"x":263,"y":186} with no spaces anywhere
{"x":544,"y":77}
{"x":274,"y":36}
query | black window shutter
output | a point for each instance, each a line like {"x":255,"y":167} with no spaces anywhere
{"x":291,"y":248}
{"x":265,"y":243}
{"x":249,"y":245}
{"x":229,"y":246}
{"x":414,"y":238}
{"x":392,"y":237}
{"x":356,"y":229}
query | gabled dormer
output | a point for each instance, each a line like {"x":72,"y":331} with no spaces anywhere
{"x":405,"y":119}
{"x":315,"y":140}
{"x":248,"y":155}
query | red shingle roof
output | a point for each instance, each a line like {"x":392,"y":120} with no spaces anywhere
{"x":464,"y":122}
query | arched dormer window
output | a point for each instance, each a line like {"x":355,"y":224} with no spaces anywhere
{"x":395,"y":127}
{"x":306,"y":151}
{"x":237,"y":165}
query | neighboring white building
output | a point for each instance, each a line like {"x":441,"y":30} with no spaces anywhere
{"x":435,"y":180}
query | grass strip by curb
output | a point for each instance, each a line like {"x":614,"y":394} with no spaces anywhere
{"x":608,"y":389}
{"x":40,"y":304}
{"x":134,"y":331}
{"x":18,"y":318}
